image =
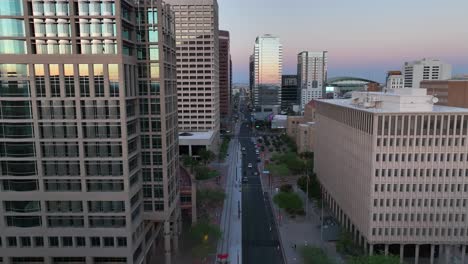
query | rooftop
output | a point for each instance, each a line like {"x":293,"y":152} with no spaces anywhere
{"x":394,"y":101}
{"x":196,"y":135}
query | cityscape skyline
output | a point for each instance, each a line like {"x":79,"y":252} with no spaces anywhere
{"x":349,"y":38}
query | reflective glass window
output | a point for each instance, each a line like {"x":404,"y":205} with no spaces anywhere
{"x":154,"y":52}
{"x":11,"y":27}
{"x":153,"y":16}
{"x":11,"y":8}
{"x":154,"y":70}
{"x":153,"y":36}
{"x":11,"y":46}
{"x":14,"y":70}
{"x":114,"y":79}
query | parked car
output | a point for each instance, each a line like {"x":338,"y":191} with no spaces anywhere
{"x":249,"y":165}
{"x":245,"y":180}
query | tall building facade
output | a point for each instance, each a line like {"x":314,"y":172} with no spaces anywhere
{"x":394,"y":80}
{"x":312,"y":74}
{"x":88,"y":132}
{"x":398,"y":177}
{"x":424,"y":70}
{"x":197,"y":34}
{"x":268,"y":63}
{"x":290,"y":93}
{"x":225,"y":71}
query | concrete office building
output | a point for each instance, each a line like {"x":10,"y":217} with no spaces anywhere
{"x":449,"y":92}
{"x":394,"y":171}
{"x":267,"y":70}
{"x":394,"y":80}
{"x":88,"y":132}
{"x":312,"y":74}
{"x":423,"y":70}
{"x":225,"y":72}
{"x":290,"y":93}
{"x":197,"y":34}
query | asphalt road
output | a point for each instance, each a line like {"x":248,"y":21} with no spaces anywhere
{"x":260,"y":243}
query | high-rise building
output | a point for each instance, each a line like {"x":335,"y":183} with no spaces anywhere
{"x":224,"y":74}
{"x":289,"y":92}
{"x":425,"y":69}
{"x":251,"y":75}
{"x":394,"y":80}
{"x":268,"y":63}
{"x":398,"y":177}
{"x":453,"y":92}
{"x":88,"y":132}
{"x":197,"y":34}
{"x":312,"y":74}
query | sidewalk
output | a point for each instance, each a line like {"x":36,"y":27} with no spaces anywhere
{"x":297,"y":231}
{"x":302,"y":231}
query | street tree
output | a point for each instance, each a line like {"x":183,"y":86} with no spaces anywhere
{"x":375,"y":259}
{"x":313,"y":255}
{"x":190,"y":162}
{"x":204,"y":237}
{"x":206,"y":156}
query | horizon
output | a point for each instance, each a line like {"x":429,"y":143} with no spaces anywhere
{"x":355,"y":47}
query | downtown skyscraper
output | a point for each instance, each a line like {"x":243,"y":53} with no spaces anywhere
{"x":267,"y":73}
{"x":197,"y":35}
{"x":88,"y":131}
{"x":312,"y":68}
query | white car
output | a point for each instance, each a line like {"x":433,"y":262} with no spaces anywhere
{"x":250,"y":165}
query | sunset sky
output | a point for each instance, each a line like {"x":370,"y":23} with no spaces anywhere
{"x":364,"y":38}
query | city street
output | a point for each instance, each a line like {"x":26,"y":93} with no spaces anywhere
{"x":260,"y":241}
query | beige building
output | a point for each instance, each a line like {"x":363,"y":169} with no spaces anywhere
{"x":449,"y":92}
{"x":197,"y":33}
{"x":305,"y":137}
{"x":301,"y":128}
{"x":88,"y":132}
{"x":394,"y":172}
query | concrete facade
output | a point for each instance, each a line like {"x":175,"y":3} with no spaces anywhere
{"x":197,"y":40}
{"x":426,"y":69}
{"x":312,"y":69}
{"x":394,"y":80}
{"x":225,"y":72}
{"x":393,"y":171}
{"x":88,"y":133}
{"x":305,"y":137}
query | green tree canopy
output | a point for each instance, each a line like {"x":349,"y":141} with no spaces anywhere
{"x":314,"y":255}
{"x":280,"y":170}
{"x":190,"y":162}
{"x":211,"y":197}
{"x":206,"y":156}
{"x":288,"y":200}
{"x":375,"y":259}
{"x":204,"y":237}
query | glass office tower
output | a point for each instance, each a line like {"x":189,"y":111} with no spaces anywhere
{"x":88,"y":131}
{"x":268,"y":60}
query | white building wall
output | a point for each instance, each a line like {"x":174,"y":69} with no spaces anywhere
{"x":312,"y":75}
{"x":425,"y":69}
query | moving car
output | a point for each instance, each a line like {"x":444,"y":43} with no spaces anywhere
{"x":249,"y":165}
{"x":255,"y":173}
